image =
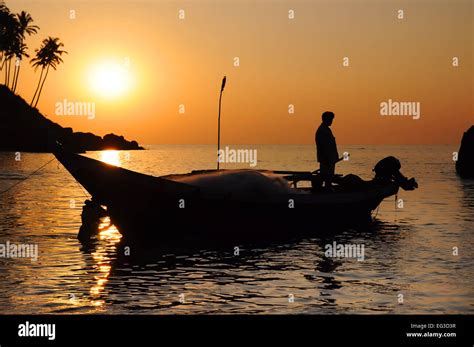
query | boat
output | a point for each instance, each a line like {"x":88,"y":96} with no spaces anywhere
{"x":172,"y":208}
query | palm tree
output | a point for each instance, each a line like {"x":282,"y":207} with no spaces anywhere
{"x":9,"y":38}
{"x":8,"y":55}
{"x":24,"y":21}
{"x":48,"y":55}
{"x":20,"y":52}
{"x":5,"y":26}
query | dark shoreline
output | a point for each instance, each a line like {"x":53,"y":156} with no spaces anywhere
{"x":24,"y":129}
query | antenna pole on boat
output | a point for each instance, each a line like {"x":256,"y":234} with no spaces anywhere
{"x":219,"y":122}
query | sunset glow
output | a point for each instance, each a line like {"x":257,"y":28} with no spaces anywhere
{"x":176,"y":62}
{"x":110,"y":79}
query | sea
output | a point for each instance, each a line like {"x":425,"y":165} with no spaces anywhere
{"x":418,"y":252}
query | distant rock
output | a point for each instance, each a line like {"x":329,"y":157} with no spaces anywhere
{"x":23,"y":128}
{"x":465,"y":163}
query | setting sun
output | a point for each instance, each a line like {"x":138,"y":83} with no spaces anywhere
{"x":110,"y":79}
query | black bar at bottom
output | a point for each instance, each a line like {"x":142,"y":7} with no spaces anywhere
{"x":446,"y":330}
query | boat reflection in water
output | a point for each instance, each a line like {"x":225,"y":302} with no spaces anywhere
{"x":153,"y":275}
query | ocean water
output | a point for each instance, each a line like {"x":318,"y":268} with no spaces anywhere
{"x":417,"y":259}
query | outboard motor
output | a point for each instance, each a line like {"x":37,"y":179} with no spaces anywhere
{"x":388,"y":169}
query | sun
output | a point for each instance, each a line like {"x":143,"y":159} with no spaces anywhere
{"x":110,"y":79}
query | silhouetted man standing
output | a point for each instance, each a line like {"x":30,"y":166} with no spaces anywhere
{"x":326,"y":149}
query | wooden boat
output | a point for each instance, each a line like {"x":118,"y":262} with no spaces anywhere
{"x":145,"y":207}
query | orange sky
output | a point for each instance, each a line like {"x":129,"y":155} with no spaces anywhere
{"x":282,"y":62}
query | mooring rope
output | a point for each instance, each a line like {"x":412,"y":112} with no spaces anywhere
{"x":24,"y":179}
{"x":85,"y":192}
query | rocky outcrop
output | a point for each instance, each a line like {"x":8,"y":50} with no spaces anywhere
{"x":465,"y":162}
{"x":24,"y":128}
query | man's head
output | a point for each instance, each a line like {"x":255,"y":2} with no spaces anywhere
{"x":327,"y":117}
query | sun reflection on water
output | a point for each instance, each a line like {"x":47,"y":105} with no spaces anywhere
{"x":111,"y":157}
{"x":102,"y":257}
